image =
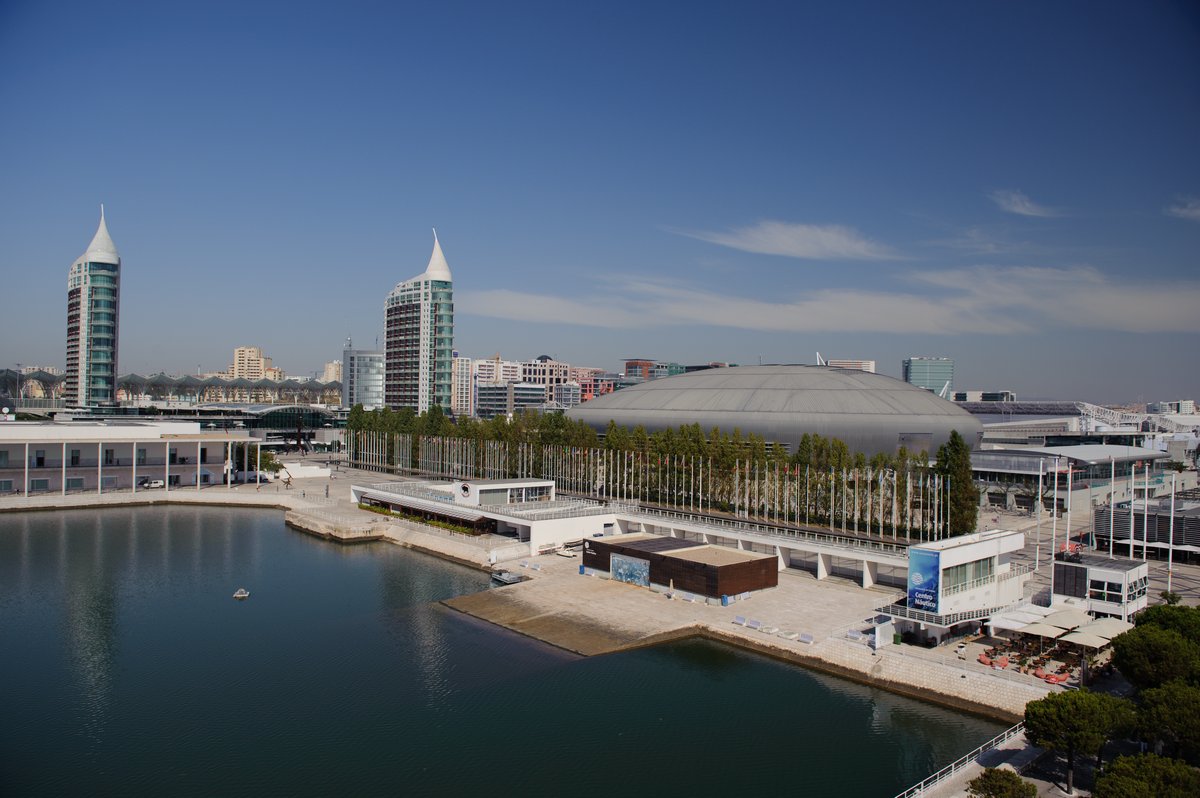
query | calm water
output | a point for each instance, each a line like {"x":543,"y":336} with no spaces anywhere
{"x":126,"y":668}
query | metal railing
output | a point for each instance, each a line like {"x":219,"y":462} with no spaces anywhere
{"x":822,"y":538}
{"x":962,"y":762}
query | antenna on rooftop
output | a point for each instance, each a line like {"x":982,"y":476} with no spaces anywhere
{"x":821,"y":360}
{"x":945,"y":389}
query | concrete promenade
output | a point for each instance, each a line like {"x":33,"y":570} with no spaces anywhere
{"x":590,"y":615}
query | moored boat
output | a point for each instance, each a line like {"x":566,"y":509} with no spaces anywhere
{"x":242,"y":593}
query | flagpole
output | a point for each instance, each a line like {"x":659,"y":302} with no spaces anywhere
{"x":1037,"y":552}
{"x":1112,"y":487}
{"x":1171,"y":536}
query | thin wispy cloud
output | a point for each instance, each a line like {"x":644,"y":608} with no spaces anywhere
{"x":1185,"y":208}
{"x":983,"y":300}
{"x":1016,"y":202}
{"x":796,"y":240}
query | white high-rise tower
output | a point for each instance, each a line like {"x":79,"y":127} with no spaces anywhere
{"x":93,"y":309}
{"x":419,"y":338}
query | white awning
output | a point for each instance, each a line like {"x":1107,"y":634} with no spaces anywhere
{"x":1008,"y":623}
{"x":1084,"y":639}
{"x":1106,"y":627}
{"x":1043,"y":630}
{"x":1068,"y":619}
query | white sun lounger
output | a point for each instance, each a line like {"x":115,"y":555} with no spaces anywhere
{"x":740,"y":620}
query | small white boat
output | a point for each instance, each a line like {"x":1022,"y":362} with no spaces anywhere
{"x":505,"y":577}
{"x":242,"y":593}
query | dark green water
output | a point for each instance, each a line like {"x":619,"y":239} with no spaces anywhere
{"x":126,"y":668}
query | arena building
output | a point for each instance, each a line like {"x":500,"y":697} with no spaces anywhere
{"x":871,"y":413}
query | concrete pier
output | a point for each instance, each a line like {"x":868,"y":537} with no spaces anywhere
{"x":591,"y":616}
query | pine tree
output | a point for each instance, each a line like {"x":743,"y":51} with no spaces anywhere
{"x":954,"y":465}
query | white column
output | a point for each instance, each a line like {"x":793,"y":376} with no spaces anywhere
{"x":64,"y":468}
{"x":99,"y":471}
{"x":135,"y":451}
{"x":1070,"y":490}
{"x":25,"y":487}
{"x":1112,"y":504}
{"x":257,"y":465}
{"x":1146,"y":515}
{"x":824,"y":565}
{"x":197,"y":466}
{"x":229,"y":464}
{"x":870,"y":574}
{"x":1171,"y":536}
{"x":166,"y":466}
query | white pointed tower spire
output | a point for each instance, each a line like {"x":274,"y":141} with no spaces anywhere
{"x":102,"y":249}
{"x":437,"y":269}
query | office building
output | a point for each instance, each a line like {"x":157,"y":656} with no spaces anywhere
{"x":854,"y":365}
{"x":546,"y":372}
{"x":462,"y":387}
{"x":93,"y":312}
{"x":419,"y":338}
{"x":494,"y":369}
{"x":592,"y":381}
{"x":505,"y":398}
{"x":249,"y":363}
{"x":362,"y":373}
{"x":931,"y":373}
{"x":332,"y":371}
{"x":567,"y":394}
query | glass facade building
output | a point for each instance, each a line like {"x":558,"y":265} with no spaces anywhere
{"x":419,"y":338}
{"x":362,"y":377}
{"x":931,"y":373}
{"x":93,"y":310}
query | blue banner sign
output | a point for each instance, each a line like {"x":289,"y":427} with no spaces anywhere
{"x":924,"y":573}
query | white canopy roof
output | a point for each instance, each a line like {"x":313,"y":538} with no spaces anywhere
{"x":1068,"y":619}
{"x":1107,"y":628}
{"x":1043,"y":630}
{"x":1084,"y":639}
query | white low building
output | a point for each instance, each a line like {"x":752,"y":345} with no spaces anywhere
{"x":526,"y":509}
{"x":87,"y":456}
{"x":1105,"y":587}
{"x":955,"y":583}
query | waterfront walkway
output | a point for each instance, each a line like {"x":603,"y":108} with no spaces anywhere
{"x":803,"y":620}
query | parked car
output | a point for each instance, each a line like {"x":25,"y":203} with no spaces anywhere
{"x":146,"y":482}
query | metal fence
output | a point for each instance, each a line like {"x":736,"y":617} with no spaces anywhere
{"x":963,"y":762}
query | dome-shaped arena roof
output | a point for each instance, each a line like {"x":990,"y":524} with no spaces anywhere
{"x":870,"y":412}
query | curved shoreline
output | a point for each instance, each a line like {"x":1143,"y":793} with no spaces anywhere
{"x":595,"y":626}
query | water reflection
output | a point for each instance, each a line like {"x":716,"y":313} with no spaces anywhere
{"x":347,"y":676}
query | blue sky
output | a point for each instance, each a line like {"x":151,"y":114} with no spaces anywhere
{"x":1014,"y":185}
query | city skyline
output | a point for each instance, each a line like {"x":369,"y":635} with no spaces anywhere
{"x":1014,"y":188}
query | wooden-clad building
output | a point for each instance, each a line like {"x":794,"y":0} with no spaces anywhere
{"x":714,"y":571}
